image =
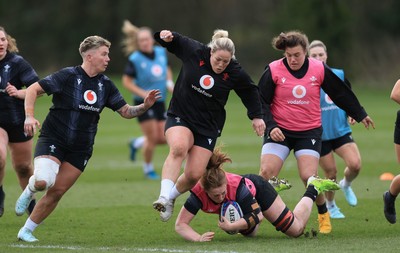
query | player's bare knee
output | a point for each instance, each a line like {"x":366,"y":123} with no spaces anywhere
{"x":178,"y":152}
{"x":56,"y":194}
{"x":355,"y":165}
{"x":24,"y":170}
{"x":192,"y":179}
{"x":296,"y":230}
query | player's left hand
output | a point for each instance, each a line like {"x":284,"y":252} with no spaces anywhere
{"x":367,"y":121}
{"x":151,"y":98}
{"x":259,"y":126}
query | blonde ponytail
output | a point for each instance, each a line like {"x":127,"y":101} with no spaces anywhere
{"x":221,"y":41}
{"x":129,"y":43}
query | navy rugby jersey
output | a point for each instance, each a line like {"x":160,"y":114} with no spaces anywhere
{"x":17,"y":71}
{"x":78,"y":101}
{"x":200,"y":95}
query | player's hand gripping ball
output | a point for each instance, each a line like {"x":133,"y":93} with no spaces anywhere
{"x":231,"y":211}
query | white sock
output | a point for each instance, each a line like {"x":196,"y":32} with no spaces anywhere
{"x":148,"y":167}
{"x":330,"y":204}
{"x":345,"y":183}
{"x":139,"y":142}
{"x":174,"y":193}
{"x":29,"y":224}
{"x":166,"y":187}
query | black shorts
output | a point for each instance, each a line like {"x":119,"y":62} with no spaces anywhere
{"x":199,"y":140}
{"x":50,"y":146}
{"x":298,"y":143}
{"x":157,"y":112}
{"x":15,"y":133}
{"x":265,"y":193}
{"x":397,"y":129}
{"x":332,"y":145}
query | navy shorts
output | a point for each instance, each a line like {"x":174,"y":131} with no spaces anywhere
{"x":397,"y":129}
{"x":49,"y":146}
{"x":265,"y":193}
{"x":15,"y":133}
{"x":199,"y":140}
{"x":332,"y":145}
{"x":157,"y":112}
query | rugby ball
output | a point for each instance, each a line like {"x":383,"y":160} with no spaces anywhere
{"x":231,"y":211}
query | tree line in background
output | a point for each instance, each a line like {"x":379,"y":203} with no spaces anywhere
{"x":362,"y":36}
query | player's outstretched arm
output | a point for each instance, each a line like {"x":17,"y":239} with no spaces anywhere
{"x":131,"y":111}
{"x":183,"y":228}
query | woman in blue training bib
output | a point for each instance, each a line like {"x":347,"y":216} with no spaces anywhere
{"x":336,"y":137}
{"x":147,"y":69}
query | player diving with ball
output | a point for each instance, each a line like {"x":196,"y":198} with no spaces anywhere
{"x":255,"y":196}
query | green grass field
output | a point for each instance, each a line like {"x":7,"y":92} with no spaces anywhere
{"x":109,"y":208}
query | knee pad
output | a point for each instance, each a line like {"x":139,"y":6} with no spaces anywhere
{"x":284,"y":221}
{"x":46,"y":170}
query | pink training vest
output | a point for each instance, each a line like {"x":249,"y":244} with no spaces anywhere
{"x":296,"y":103}
{"x":233,"y":181}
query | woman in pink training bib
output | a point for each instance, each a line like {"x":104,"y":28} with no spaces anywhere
{"x":290,"y":93}
{"x":255,"y":196}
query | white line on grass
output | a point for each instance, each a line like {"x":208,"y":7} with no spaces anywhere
{"x":119,"y":249}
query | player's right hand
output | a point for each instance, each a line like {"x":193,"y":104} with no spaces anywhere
{"x":206,"y":237}
{"x":31,"y":125}
{"x":166,"y":35}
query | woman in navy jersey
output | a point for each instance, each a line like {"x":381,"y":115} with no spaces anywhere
{"x":15,"y":73}
{"x":66,"y":138}
{"x":255,"y":196}
{"x":290,"y":92}
{"x":196,"y":113}
{"x":336,"y":137}
{"x":389,"y":197}
{"x":146,"y":69}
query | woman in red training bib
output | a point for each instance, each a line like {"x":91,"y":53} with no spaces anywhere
{"x":290,"y":93}
{"x":256,"y":197}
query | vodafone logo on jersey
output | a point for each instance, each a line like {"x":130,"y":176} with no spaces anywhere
{"x":206,"y":82}
{"x":328,"y":99}
{"x":299,"y":91}
{"x":90,"y":97}
{"x":156,"y":70}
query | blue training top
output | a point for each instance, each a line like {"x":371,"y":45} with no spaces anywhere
{"x":151,"y":73}
{"x":334,"y":119}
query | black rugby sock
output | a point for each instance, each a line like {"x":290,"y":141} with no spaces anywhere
{"x":322,"y":208}
{"x":311,"y":192}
